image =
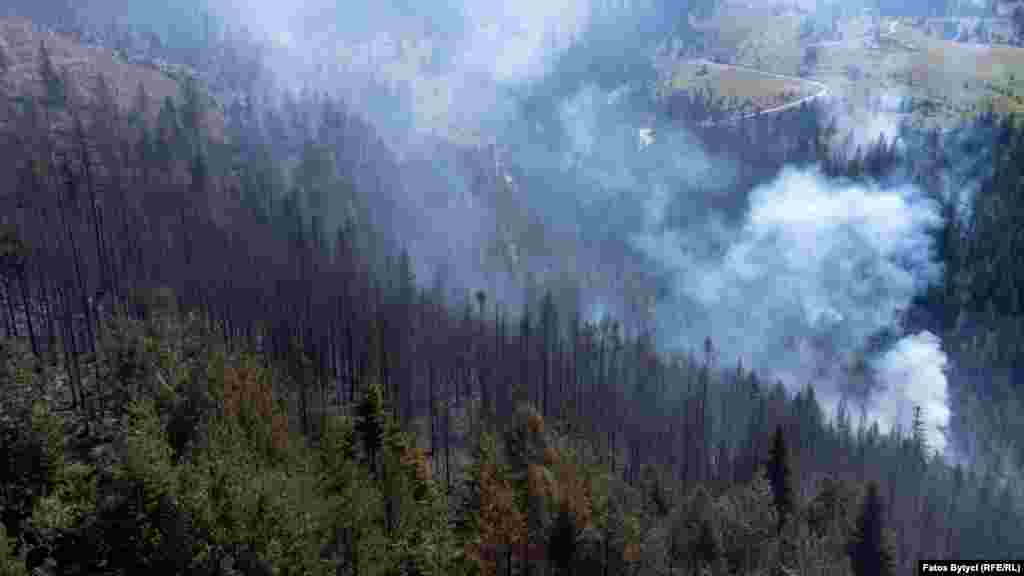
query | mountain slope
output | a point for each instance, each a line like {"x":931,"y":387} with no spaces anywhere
{"x":82,"y":66}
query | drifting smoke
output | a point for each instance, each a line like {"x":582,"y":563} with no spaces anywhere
{"x":815,"y":271}
{"x":449,"y":60}
{"x":913,"y":373}
{"x":862,"y":124}
{"x":797,"y":289}
{"x":794,"y":279}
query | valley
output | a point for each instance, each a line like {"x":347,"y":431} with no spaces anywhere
{"x":533,"y":288}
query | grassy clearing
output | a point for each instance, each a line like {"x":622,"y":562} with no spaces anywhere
{"x":774,"y":45}
{"x":738,"y":84}
{"x":944,"y":80}
{"x":983,"y":63}
{"x":753,"y":36}
{"x":969,"y":74}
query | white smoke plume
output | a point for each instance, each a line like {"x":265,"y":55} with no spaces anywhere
{"x":913,"y":373}
{"x":815,"y":271}
{"x":451,"y":60}
{"x":796,"y":290}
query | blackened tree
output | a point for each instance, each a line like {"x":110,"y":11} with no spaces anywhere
{"x":55,"y":93}
{"x":1018,"y":24}
{"x":870,"y":552}
{"x":5,"y":59}
{"x":780,"y":477}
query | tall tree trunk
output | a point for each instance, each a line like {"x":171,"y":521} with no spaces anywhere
{"x":70,"y":352}
{"x":353,"y":376}
{"x":72,"y":185}
{"x":447,"y":444}
{"x":433,"y":409}
{"x":12,"y":326}
{"x":26,"y":299}
{"x":51,"y":322}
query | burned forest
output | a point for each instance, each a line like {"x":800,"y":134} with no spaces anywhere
{"x":271,"y":314}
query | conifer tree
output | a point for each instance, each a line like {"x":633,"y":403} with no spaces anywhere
{"x":140,"y":107}
{"x":562,"y":543}
{"x":370,"y":422}
{"x":191,"y":116}
{"x":843,"y":427}
{"x":708,"y":546}
{"x":547,"y":336}
{"x":166,"y":132}
{"x":490,"y":517}
{"x":5,"y":60}
{"x":870,"y":552}
{"x":524,"y":338}
{"x":780,"y":477}
{"x":10,"y":563}
{"x":920,"y":442}
{"x":53,"y":84}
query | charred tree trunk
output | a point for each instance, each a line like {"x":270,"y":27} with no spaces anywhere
{"x":26,"y":299}
{"x":447,"y":444}
{"x":11,"y":324}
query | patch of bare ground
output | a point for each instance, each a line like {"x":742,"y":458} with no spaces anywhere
{"x":82,"y":66}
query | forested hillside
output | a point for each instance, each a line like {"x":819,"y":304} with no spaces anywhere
{"x":226,"y":355}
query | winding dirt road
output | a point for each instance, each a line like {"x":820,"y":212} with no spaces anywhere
{"x":823,"y":89}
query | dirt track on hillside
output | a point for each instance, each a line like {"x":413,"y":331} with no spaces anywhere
{"x":823,"y":89}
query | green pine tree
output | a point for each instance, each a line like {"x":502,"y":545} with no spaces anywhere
{"x":370,"y":422}
{"x":10,"y":564}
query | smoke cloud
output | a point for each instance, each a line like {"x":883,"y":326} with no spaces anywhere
{"x":816,"y":270}
{"x":914,"y":375}
{"x":793,"y":277}
{"x":451,"y":61}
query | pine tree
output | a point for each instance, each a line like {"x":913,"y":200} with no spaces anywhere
{"x":53,"y":84}
{"x":191,"y":116}
{"x":5,"y":60}
{"x":843,"y":427}
{"x":919,"y":440}
{"x":704,"y":464}
{"x":524,"y":338}
{"x":490,"y":517}
{"x":708,"y":546}
{"x":870,"y":552}
{"x":780,"y":477}
{"x":370,"y":422}
{"x":167,"y":130}
{"x":562,"y":542}
{"x":547,"y":336}
{"x":10,"y":563}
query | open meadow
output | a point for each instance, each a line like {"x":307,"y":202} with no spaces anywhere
{"x":931,"y":82}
